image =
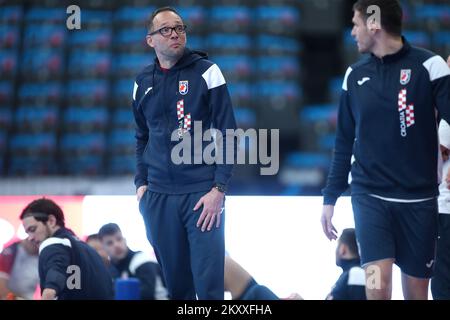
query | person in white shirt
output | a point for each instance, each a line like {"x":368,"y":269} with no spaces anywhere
{"x":440,"y":283}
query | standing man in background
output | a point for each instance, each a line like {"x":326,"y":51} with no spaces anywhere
{"x":182,"y":204}
{"x":387,"y":141}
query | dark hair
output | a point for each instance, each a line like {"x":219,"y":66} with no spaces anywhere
{"x":108,"y":229}
{"x":348,"y":238}
{"x":156,"y":12}
{"x":40,"y":209}
{"x":391,"y":14}
{"x":91,"y":237}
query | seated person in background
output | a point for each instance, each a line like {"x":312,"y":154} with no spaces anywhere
{"x":351,"y":283}
{"x":94,"y":241}
{"x":242,"y":286}
{"x":19,"y":276}
{"x":69,"y":269}
{"x":127,"y":263}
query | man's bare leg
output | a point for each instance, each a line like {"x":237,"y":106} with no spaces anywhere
{"x":379,"y":279}
{"x":414,"y":288}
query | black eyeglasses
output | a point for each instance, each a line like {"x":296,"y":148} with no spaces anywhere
{"x":167,"y":31}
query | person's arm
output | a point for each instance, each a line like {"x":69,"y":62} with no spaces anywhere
{"x":6,"y":264}
{"x":439,"y":75}
{"x":219,"y":102}
{"x":4,"y":289}
{"x":54,"y":260}
{"x":337,"y":181}
{"x":141,"y":135}
{"x":222,"y":119}
{"x":48,"y":294}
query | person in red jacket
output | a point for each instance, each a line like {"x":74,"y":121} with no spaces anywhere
{"x":19,"y":270}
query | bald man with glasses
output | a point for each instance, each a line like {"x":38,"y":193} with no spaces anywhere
{"x":182,"y":203}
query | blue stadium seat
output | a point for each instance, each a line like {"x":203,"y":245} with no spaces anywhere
{"x":349,"y":41}
{"x":335,"y":88}
{"x":36,"y":118}
{"x":44,"y":35}
{"x":130,"y":37}
{"x":46,"y":15}
{"x":316,"y":113}
{"x":307,"y":160}
{"x":8,"y":63}
{"x":96,"y":18}
{"x":279,"y":19}
{"x":79,"y":118}
{"x":122,"y":91}
{"x":441,"y":40}
{"x":442,"y":37}
{"x":418,"y":38}
{"x":130,"y":15}
{"x":129,"y":64}
{"x":278,"y":44}
{"x":3,"y":140}
{"x":123,"y":118}
{"x":49,"y":92}
{"x":75,"y":143}
{"x":230,"y":18}
{"x":326,"y":142}
{"x":304,"y":172}
{"x":122,"y":140}
{"x":229,"y":42}
{"x":282,"y":67}
{"x":234,"y":66}
{"x":193,"y":16}
{"x":5,"y":118}
{"x":10,"y":36}
{"x":6,"y":93}
{"x":83,"y":165}
{"x":240,"y":92}
{"x":245,"y":117}
{"x":122,"y":164}
{"x":435,"y":12}
{"x":275,"y":90}
{"x":97,"y":38}
{"x":26,"y":143}
{"x":197,"y":43}
{"x":10,"y":15}
{"x":43,"y":62}
{"x":89,"y":63}
{"x":89,"y":91}
{"x":32,"y":165}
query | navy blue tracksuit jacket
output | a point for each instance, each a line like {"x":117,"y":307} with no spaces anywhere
{"x":62,"y":258}
{"x":387,"y":129}
{"x":197,"y":86}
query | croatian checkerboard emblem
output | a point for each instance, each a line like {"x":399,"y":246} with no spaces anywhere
{"x":405,"y":76}
{"x":184,"y":121}
{"x":406,"y":112}
{"x":183,"y":87}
